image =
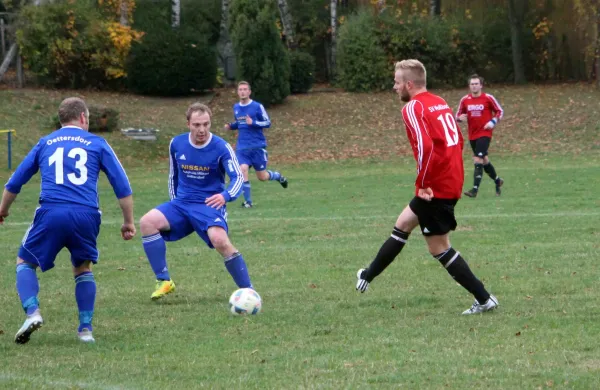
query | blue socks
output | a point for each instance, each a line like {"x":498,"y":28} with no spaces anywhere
{"x":236,"y":266}
{"x":246,"y":191}
{"x":156,"y":251}
{"x":274,"y":175}
{"x":85,"y":295}
{"x":28,"y":287}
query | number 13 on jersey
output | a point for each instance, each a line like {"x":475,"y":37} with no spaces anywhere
{"x":450,"y":128}
{"x":80,"y":157}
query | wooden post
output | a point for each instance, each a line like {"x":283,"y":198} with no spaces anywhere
{"x":20,"y":79}
{"x":3,"y":42}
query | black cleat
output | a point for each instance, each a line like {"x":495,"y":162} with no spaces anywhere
{"x":247,"y":205}
{"x":283,"y":181}
{"x":499,"y":183}
{"x":471,"y":193}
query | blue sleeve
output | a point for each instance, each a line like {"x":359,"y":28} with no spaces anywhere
{"x":173,"y":171}
{"x":28,"y":167}
{"x":262,"y":118}
{"x":111,"y":166}
{"x":231,"y":165}
{"x":234,"y":125}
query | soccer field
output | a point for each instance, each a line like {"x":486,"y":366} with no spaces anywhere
{"x":536,"y":248}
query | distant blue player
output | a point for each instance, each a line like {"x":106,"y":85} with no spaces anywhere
{"x":250,"y":118}
{"x":199,"y":161}
{"x":70,"y":160}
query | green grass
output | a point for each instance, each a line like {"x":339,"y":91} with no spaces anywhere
{"x":536,"y":248}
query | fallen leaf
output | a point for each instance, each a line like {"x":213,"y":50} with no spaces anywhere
{"x":518,"y":333}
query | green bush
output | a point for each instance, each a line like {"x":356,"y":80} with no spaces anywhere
{"x":261,"y":57}
{"x":302,"y":72}
{"x":102,"y":119}
{"x":171,"y":62}
{"x":362,"y":63}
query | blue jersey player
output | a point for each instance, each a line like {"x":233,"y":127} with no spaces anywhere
{"x":69,"y":160}
{"x":199,"y":161}
{"x":250,"y":118}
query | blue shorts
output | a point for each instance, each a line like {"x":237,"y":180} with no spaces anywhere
{"x":255,"y":158}
{"x":185,"y":218}
{"x":57,"y":227}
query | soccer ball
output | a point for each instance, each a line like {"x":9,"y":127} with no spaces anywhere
{"x":245,"y":301}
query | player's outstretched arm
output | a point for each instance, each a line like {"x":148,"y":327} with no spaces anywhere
{"x":128,"y":228}
{"x":7,"y":199}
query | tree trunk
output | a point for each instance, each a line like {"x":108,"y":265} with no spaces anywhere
{"x":333,"y":9}
{"x":286,"y":21}
{"x":225,"y":51}
{"x":124,"y":20}
{"x":8,"y":59}
{"x":597,"y":57}
{"x":175,"y":13}
{"x":435,"y":7}
{"x":516,"y":16}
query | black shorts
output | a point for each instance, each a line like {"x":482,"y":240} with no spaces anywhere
{"x":480,"y":146}
{"x":436,"y":217}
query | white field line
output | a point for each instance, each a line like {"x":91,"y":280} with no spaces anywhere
{"x":559,"y":214}
{"x":56,"y":383}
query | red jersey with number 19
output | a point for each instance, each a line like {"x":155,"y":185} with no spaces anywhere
{"x":437,"y":145}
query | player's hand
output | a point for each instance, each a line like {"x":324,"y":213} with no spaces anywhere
{"x":248,"y":120}
{"x":425,"y":194}
{"x":463,"y":117}
{"x":3,"y":214}
{"x":490,"y":125}
{"x":216,"y":201}
{"x":227,"y":127}
{"x":127,"y":231}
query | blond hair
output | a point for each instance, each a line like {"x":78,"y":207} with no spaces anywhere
{"x":197,"y":107}
{"x":70,"y":109}
{"x":244,"y":83}
{"x":413,"y":70}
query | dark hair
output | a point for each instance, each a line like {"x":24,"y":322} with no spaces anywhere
{"x":476,"y":76}
{"x":70,"y":109}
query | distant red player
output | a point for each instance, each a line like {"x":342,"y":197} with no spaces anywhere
{"x":482,"y":112}
{"x":437,"y":146}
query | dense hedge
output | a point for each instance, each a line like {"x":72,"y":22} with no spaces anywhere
{"x":302,"y":72}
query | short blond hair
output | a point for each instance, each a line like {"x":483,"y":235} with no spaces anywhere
{"x":244,"y":83}
{"x":413,"y":70}
{"x":197,"y":107}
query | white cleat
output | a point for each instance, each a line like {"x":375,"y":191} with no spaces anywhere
{"x":85,"y":336}
{"x":477,"y":308}
{"x":361,"y":285}
{"x":31,"y":324}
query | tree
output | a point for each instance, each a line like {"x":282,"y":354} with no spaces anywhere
{"x":124,"y":9}
{"x":175,"y":13}
{"x":516,"y":17}
{"x":286,"y":21}
{"x":597,"y":50}
{"x":333,"y":10}
{"x":261,"y":56}
{"x":224,"y":45}
{"x":435,"y":7}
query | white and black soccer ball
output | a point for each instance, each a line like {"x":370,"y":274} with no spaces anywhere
{"x":245,"y":301}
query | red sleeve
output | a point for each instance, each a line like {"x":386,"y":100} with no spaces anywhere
{"x":498,"y":111}
{"x":412,"y":114}
{"x":461,"y":108}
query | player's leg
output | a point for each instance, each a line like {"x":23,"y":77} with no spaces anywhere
{"x":260,"y":162}
{"x":82,"y":244}
{"x":245,"y":161}
{"x":478,"y":156}
{"x":85,"y":295}
{"x":163,"y":223}
{"x":491,"y":171}
{"x":42,"y":242}
{"x":437,"y":224}
{"x":390,"y":249}
{"x":234,"y":261}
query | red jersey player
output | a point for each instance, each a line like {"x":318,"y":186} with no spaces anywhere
{"x":482,"y":112}
{"x":437,"y":146}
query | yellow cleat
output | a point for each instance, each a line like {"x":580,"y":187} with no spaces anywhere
{"x":163,"y":287}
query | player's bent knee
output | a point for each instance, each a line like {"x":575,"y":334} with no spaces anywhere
{"x":220,"y":240}
{"x":152,"y":221}
{"x":262,"y":175}
{"x":437,"y":244}
{"x":21,"y":261}
{"x":85,"y":267}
